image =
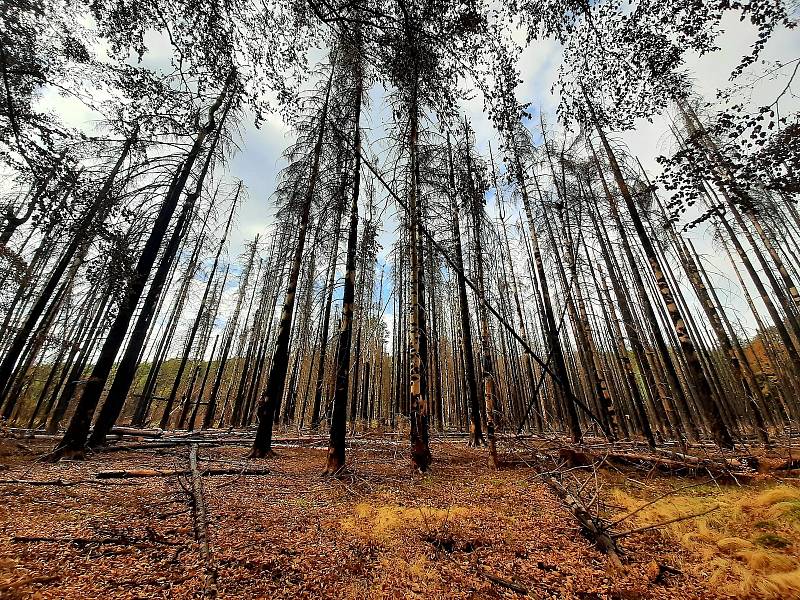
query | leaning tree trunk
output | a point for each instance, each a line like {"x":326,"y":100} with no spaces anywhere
{"x":319,"y":386}
{"x":631,"y":330}
{"x":126,"y":369}
{"x":738,"y":363}
{"x":338,"y":428}
{"x":699,"y":380}
{"x":77,"y":432}
{"x":475,"y":424}
{"x":551,"y":333}
{"x":276,"y":382}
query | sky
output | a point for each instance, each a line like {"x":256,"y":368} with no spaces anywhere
{"x":259,"y":163}
{"x":259,"y":160}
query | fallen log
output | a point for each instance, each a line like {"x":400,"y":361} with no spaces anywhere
{"x":154,"y":445}
{"x":793,"y":464}
{"x":679,"y":463}
{"x":54,"y":482}
{"x":201,"y":526}
{"x":82,"y":542}
{"x":136,"y":431}
{"x":716,"y":462}
{"x":132,"y":473}
{"x":595,"y":527}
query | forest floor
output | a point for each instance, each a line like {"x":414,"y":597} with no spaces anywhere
{"x":380,"y":531}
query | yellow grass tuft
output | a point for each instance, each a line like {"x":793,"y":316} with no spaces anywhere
{"x":380,"y":521}
{"x":750,"y":545}
{"x":780,"y":494}
{"x":733,"y":544}
{"x":779,"y":585}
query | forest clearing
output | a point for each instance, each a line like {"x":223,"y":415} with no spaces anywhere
{"x":123,"y":524}
{"x":400,"y":299}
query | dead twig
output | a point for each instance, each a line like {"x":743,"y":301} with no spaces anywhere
{"x":622,"y":534}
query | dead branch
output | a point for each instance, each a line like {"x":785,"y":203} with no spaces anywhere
{"x":131,"y":473}
{"x":622,"y":534}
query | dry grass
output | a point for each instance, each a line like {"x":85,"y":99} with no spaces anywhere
{"x":749,"y":546}
{"x":376,"y":521}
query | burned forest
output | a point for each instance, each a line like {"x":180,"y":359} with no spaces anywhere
{"x":400,"y":299}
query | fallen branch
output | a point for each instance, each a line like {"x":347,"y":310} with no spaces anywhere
{"x":594,"y":526}
{"x":622,"y":534}
{"x":514,"y":587}
{"x":654,"y":500}
{"x":12,"y":585}
{"x":131,"y":473}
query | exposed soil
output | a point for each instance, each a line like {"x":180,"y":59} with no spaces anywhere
{"x":380,"y":531}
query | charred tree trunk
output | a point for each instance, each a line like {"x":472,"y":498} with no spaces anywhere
{"x":276,"y":382}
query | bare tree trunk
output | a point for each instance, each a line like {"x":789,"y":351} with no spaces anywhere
{"x":77,"y":433}
{"x":488,"y":371}
{"x":338,"y":425}
{"x":276,"y":382}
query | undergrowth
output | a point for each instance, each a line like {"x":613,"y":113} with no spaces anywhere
{"x":749,"y":546}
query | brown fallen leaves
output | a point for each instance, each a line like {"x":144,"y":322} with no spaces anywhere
{"x":462,"y":531}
